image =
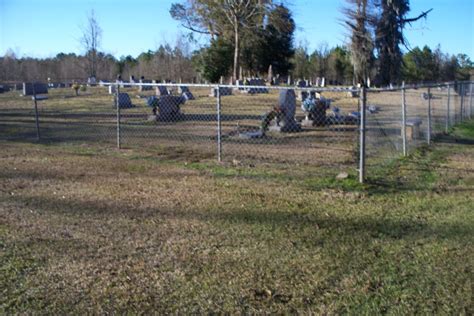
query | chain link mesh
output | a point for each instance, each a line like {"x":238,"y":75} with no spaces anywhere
{"x":279,"y":126}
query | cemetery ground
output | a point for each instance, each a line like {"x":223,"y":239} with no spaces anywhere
{"x":88,"y":228}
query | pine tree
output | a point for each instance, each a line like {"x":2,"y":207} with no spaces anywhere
{"x":389,"y":37}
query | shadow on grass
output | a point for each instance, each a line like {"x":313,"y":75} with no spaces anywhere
{"x":344,"y":227}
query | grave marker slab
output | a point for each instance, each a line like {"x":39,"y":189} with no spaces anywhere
{"x":162,"y":91}
{"x":39,"y":88}
{"x":124,"y":101}
{"x":287,"y":105}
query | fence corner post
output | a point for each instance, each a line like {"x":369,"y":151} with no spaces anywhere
{"x":470,"y":99}
{"x":428,"y":138}
{"x":448,"y":109}
{"x":38,"y":136}
{"x":404,"y":121}
{"x":219,"y":123}
{"x":117,"y":104}
{"x":363,"y":105}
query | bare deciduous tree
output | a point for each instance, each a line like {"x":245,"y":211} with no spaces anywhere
{"x":90,"y":41}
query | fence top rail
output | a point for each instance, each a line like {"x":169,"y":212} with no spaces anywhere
{"x":214,"y":85}
{"x":319,"y":89}
{"x":420,"y":86}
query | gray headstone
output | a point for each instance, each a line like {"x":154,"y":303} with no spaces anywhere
{"x":112,"y":89}
{"x":91,"y":81}
{"x":287,"y":105}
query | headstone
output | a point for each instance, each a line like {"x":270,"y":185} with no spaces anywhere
{"x":161,"y":91}
{"x":31,"y":88}
{"x":316,"y":116}
{"x":184,"y":91}
{"x":318,"y":82}
{"x":169,"y":107}
{"x":223,"y":92}
{"x":144,"y":88}
{"x":124,"y":101}
{"x":91,"y":81}
{"x":240,"y":83}
{"x":188,"y":96}
{"x":413,"y":128}
{"x":301,"y":84}
{"x":2,"y":89}
{"x":287,"y":106}
{"x":289,"y":82}
{"x":323,"y":82}
{"x":112,"y":89}
{"x":353,"y":93}
{"x":270,"y":74}
{"x":303,"y":94}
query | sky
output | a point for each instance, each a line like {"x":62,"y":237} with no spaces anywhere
{"x":44,"y":28}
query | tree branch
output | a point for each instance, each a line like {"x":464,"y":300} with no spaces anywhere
{"x":422,"y":15}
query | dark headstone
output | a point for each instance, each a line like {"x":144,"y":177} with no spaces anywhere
{"x":2,"y":89}
{"x":161,"y":91}
{"x":31,"y":88}
{"x":188,"y":95}
{"x":145,"y":88}
{"x":223,"y":92}
{"x":169,"y":107}
{"x":124,"y":101}
{"x":301,"y":83}
{"x":183,"y":89}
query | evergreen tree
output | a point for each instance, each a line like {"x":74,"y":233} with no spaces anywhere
{"x":389,"y":36}
{"x":359,"y":19}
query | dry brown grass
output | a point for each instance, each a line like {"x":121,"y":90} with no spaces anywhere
{"x":88,"y":229}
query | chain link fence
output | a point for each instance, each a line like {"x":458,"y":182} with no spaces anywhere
{"x":402,"y":119}
{"x":334,"y":129}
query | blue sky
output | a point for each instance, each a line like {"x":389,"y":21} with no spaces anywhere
{"x":43,"y":28}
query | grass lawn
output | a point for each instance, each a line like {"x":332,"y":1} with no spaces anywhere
{"x":89,"y":229}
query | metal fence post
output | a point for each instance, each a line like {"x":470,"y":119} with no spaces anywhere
{"x":38,"y":136}
{"x":363,"y":105}
{"x":461,"y":90}
{"x":470,"y":100}
{"x":429,"y":117}
{"x":448,"y":109}
{"x":117,"y":104}
{"x":404,"y":121}
{"x":219,"y":124}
